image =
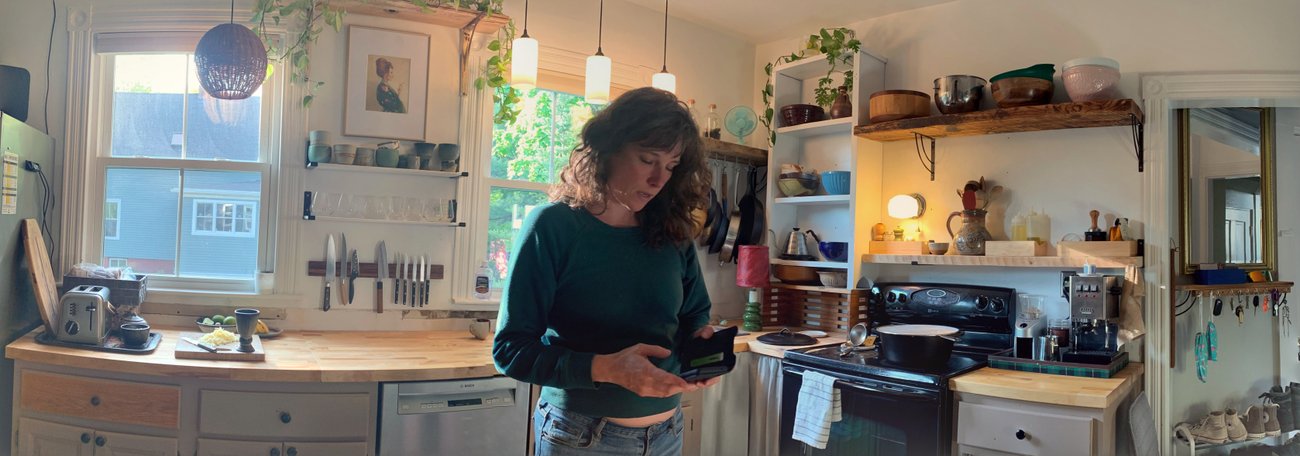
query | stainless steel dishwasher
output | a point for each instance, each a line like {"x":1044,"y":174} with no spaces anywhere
{"x":480,"y":416}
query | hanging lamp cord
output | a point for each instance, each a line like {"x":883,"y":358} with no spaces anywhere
{"x":665,"y":67}
{"x":232,"y":11}
{"x":600,"y":28}
{"x":525,"y":19}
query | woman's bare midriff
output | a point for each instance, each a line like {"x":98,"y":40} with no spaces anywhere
{"x":644,"y":421}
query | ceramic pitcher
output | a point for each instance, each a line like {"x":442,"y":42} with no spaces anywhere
{"x":969,"y":239}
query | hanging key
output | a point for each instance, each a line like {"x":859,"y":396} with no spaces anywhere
{"x":1218,"y":306}
{"x":1256,"y":302}
{"x":1241,"y":315}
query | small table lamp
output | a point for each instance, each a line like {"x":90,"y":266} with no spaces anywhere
{"x":752,"y":271}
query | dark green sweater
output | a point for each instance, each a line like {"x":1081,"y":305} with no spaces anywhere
{"x":579,"y":287}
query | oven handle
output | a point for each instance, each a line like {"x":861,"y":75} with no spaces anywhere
{"x":871,"y":389}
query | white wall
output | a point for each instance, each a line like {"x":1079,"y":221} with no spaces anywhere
{"x":710,"y":66}
{"x":1069,"y":172}
{"x":1288,"y":219}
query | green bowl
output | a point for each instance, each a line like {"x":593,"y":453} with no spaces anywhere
{"x":1039,"y":71}
{"x":386,"y":157}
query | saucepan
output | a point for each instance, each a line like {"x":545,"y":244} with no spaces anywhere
{"x":922,"y":346}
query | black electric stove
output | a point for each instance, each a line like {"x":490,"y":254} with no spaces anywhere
{"x":907,"y":410}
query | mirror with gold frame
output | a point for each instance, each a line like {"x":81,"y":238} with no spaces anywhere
{"x":1226,"y":187}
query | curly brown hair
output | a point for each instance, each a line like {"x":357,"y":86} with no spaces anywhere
{"x":650,"y":118}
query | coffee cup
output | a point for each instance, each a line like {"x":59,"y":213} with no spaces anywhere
{"x":481,"y":328}
{"x":319,"y":136}
{"x":365,"y":156}
{"x":412,"y":161}
{"x":319,"y":153}
{"x":344,"y":154}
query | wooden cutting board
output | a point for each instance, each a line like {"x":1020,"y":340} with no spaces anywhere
{"x":38,"y":262}
{"x":228,"y":352}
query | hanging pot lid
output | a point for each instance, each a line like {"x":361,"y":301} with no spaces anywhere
{"x":917,"y":330}
{"x":785,"y":337}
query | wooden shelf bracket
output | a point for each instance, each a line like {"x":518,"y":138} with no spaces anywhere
{"x":927,"y":160}
{"x":1138,"y":134}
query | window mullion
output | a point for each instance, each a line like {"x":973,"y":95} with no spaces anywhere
{"x":180,"y":215}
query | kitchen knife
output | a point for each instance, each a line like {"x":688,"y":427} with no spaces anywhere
{"x":406,"y":280}
{"x":343,"y":273}
{"x":354,"y":269}
{"x":424,"y":275}
{"x":202,"y":345}
{"x":382,"y":258}
{"x":329,"y":270}
{"x":397,"y":278}
{"x":415,"y":282}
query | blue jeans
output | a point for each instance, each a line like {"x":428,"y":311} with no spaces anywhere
{"x":564,"y":433}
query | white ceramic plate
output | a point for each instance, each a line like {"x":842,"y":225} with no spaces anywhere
{"x":813,"y":333}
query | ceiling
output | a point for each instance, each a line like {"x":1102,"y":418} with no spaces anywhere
{"x":762,"y":21}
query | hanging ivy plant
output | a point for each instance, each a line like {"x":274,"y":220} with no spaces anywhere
{"x":306,"y":16}
{"x":838,"y":45}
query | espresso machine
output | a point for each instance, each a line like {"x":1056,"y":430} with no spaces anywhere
{"x":1094,"y":313}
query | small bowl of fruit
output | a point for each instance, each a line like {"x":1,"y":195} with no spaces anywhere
{"x":227,"y":322}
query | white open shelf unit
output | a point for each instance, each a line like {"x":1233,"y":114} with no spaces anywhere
{"x":828,"y":145}
{"x":330,"y":218}
{"x":383,"y":170}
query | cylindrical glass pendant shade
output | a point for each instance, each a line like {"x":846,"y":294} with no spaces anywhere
{"x":523,"y":64}
{"x":598,"y":76}
{"x":664,"y":81}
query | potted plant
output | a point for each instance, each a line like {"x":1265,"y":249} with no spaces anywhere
{"x":838,"y":46}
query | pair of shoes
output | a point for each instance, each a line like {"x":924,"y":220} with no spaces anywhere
{"x":1261,"y":421}
{"x":1281,"y":401}
{"x":1218,"y":427}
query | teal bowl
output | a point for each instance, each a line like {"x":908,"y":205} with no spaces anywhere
{"x":1039,"y":71}
{"x":386,"y":157}
{"x":319,"y":153}
{"x":837,"y":182}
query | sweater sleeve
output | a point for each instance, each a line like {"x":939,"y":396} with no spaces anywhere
{"x":518,"y":349}
{"x":695,"y":297}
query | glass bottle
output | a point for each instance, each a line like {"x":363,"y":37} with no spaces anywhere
{"x":1039,"y":226}
{"x":483,"y":282}
{"x":1019,"y":231}
{"x":713,"y":123}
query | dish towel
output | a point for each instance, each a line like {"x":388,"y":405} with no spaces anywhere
{"x":818,"y":407}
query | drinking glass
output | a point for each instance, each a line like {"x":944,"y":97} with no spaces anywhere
{"x":376,"y":207}
{"x":325,"y":204}
{"x":414,"y":209}
{"x":397,"y":208}
{"x":433,"y":210}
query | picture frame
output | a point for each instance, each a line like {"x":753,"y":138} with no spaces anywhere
{"x":387,"y":83}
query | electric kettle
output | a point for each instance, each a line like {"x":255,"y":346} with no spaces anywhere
{"x":796,"y":247}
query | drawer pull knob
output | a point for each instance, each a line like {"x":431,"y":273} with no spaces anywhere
{"x":85,"y":437}
{"x":94,"y":400}
{"x":291,"y":452}
{"x":285,"y":417}
{"x":275,"y":452}
{"x":1021,"y":435}
{"x":100,"y":441}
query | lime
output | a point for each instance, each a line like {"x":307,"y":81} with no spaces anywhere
{"x":229,"y":320}
{"x":207,"y":321}
{"x":218,"y":318}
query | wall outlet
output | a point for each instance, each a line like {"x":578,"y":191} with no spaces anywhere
{"x":1065,"y":283}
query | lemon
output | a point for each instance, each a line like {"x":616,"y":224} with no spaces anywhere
{"x":228,"y":320}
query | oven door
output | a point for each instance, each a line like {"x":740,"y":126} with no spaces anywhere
{"x":879,"y":418}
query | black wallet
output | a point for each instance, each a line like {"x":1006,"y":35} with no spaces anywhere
{"x":703,"y":359}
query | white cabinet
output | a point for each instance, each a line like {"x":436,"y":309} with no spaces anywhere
{"x":692,"y":412}
{"x":827,"y":145}
{"x":284,"y":415}
{"x":993,"y":426}
{"x":43,"y":438}
{"x":212,"y":447}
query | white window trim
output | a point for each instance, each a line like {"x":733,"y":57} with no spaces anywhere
{"x":476,"y":134}
{"x":194,"y":218}
{"x":117,"y":221}
{"x":118,"y":263}
{"x":79,"y":239}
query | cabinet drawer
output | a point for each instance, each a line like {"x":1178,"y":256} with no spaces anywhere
{"x":98,"y":399}
{"x":284,"y":415}
{"x":1022,"y":432}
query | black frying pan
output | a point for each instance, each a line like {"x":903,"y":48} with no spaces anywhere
{"x":719,"y":237}
{"x":749,"y":209}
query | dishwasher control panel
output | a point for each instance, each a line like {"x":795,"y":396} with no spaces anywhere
{"x":409,"y":404}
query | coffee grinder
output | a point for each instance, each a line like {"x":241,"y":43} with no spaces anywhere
{"x":1094,"y":311}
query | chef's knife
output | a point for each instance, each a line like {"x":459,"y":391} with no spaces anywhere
{"x":397,"y":278}
{"x":406,"y":279}
{"x":329,"y":270}
{"x":203,"y":345}
{"x":415,"y":283}
{"x":424,"y":284}
{"x":343,"y":273}
{"x":354,"y":269}
{"x":382,"y":259}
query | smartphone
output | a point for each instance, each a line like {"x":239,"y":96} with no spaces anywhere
{"x":703,"y":359}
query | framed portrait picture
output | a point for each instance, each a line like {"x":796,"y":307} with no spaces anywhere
{"x":387,"y":81}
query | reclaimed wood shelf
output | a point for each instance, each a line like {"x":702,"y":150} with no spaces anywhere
{"x":1088,"y":114}
{"x":1012,"y":262}
{"x":718,"y":148}
{"x":369,"y":270}
{"x":821,"y":127}
{"x":438,"y":15}
{"x":1237,"y":288}
{"x":812,"y":264}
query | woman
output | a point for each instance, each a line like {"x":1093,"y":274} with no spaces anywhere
{"x":387,"y":96}
{"x":605,"y":285}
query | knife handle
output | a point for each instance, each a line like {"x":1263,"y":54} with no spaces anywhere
{"x":326,"y":306}
{"x":379,"y":296}
{"x":395,"y":282}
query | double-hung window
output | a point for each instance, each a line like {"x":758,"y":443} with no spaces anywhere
{"x":185,"y":177}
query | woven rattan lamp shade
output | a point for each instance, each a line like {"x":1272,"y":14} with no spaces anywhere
{"x":231,"y":62}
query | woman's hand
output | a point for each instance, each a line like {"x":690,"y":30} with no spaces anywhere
{"x":631,"y":368}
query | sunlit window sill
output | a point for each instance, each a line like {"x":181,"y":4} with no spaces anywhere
{"x":224,"y":298}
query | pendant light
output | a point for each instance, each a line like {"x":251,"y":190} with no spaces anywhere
{"x":598,"y":67}
{"x":523,"y":63}
{"x":663,"y":80}
{"x":230,"y":60}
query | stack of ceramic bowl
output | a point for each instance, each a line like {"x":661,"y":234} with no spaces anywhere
{"x":318,"y":150}
{"x":1023,"y":87}
{"x":1091,"y":79}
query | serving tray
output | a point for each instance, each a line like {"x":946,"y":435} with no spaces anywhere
{"x":112,"y":343}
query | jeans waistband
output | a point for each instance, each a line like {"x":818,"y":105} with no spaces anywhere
{"x":604,"y":426}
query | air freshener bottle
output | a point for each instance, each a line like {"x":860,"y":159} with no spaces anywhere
{"x":483,"y":282}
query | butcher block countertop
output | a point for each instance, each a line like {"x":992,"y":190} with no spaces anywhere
{"x":311,"y":356}
{"x":1048,"y":388}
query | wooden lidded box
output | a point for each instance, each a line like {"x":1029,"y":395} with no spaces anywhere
{"x":1097,"y":248}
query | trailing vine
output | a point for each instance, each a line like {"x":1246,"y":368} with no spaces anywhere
{"x":839,"y":45}
{"x":308,"y":14}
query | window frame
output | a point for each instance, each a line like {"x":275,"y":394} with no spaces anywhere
{"x":284,"y":122}
{"x":117,"y":221}
{"x":120,"y":263}
{"x":234,"y":219}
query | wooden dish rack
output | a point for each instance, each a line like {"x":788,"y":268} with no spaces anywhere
{"x":830,"y":310}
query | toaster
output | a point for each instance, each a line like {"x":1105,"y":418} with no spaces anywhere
{"x":83,"y":315}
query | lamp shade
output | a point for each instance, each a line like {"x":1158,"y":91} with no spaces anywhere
{"x":752,"y":266}
{"x":230,"y":61}
{"x":664,"y":81}
{"x":523,"y":63}
{"x":906,"y":206}
{"x":598,"y":76}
